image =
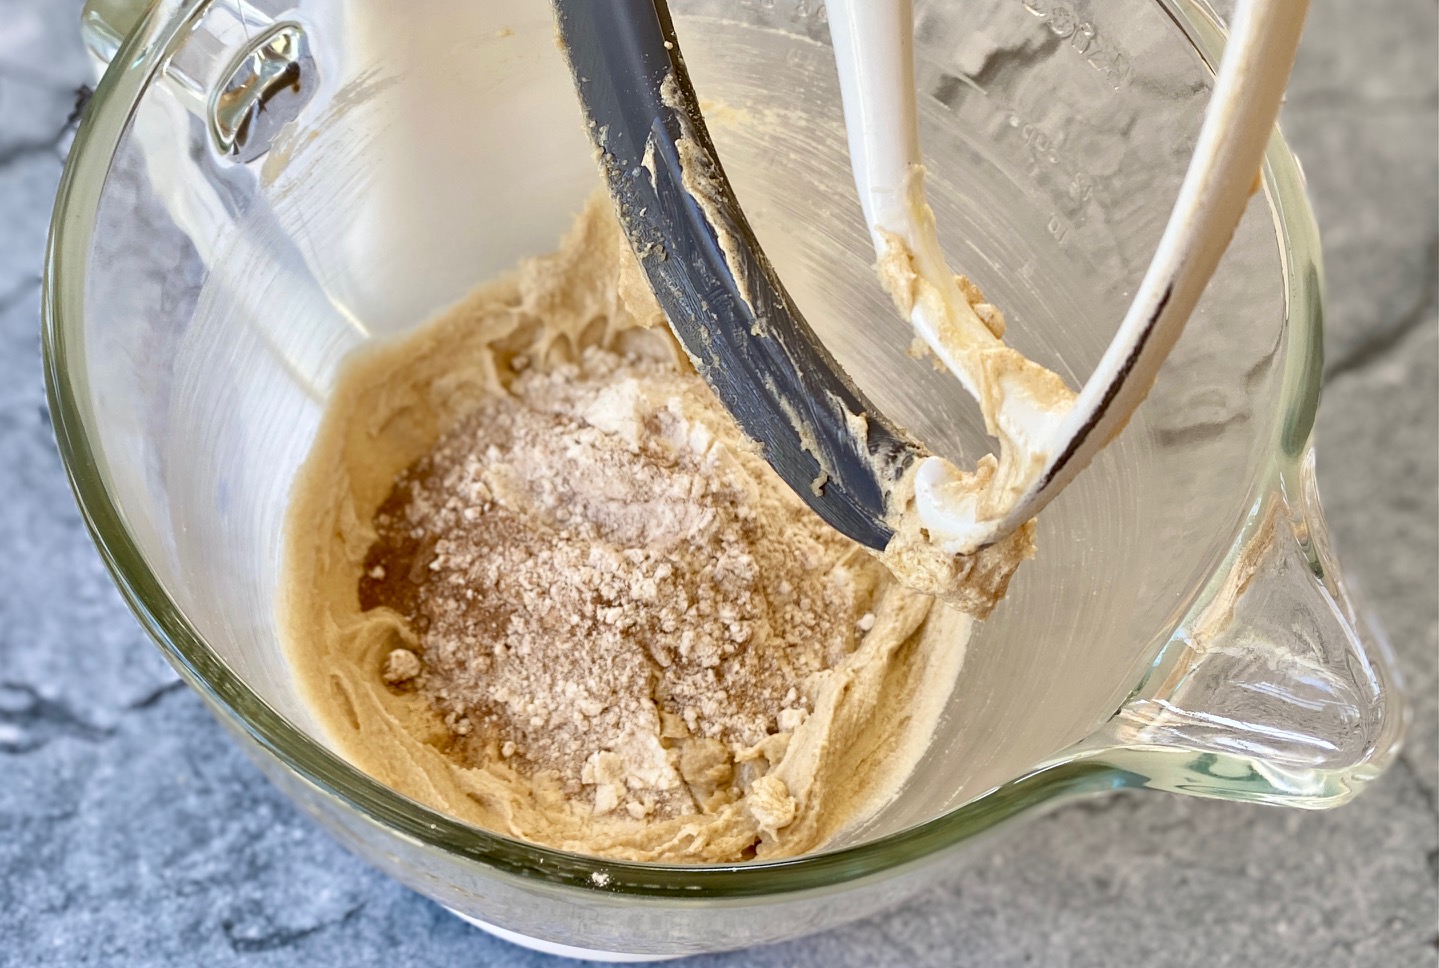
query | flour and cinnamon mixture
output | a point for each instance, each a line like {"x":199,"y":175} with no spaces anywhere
{"x":537,"y":579}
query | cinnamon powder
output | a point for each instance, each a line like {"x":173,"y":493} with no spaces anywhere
{"x":601,"y":570}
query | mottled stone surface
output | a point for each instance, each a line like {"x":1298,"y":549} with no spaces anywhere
{"x":132,"y":832}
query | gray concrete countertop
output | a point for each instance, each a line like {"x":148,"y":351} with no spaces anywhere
{"x":132,"y":832}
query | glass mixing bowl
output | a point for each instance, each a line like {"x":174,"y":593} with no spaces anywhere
{"x":260,"y":188}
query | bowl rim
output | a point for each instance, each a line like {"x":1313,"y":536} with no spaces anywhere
{"x":106,"y":120}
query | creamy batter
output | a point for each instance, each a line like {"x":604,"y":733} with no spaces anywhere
{"x":669,"y":778}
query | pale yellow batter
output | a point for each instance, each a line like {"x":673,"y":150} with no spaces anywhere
{"x":862,"y":721}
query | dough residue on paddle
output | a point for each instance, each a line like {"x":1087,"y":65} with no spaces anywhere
{"x":537,"y":579}
{"x":941,"y":518}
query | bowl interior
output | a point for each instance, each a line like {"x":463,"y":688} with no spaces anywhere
{"x":444,"y":144}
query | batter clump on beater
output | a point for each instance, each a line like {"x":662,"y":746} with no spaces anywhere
{"x":540,"y":581}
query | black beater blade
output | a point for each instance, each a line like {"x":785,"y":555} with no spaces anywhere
{"x":734,"y":318}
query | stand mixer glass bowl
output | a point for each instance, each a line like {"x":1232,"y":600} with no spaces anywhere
{"x":260,"y":188}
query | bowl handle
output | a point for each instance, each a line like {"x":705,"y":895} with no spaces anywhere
{"x":1275,"y":688}
{"x":243,"y":73}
